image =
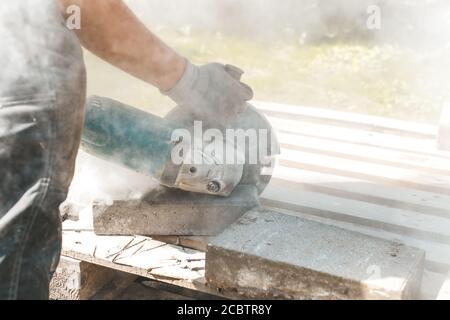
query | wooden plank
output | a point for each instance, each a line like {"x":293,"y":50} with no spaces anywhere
{"x":138,"y":291}
{"x":420,"y":146}
{"x":115,"y":288}
{"x":140,"y":256}
{"x":347,"y":119}
{"x":364,"y":190}
{"x":187,"y":293}
{"x":377,"y":155}
{"x":443,"y":138}
{"x":405,"y":222}
{"x":194,"y":242}
{"x":80,"y":280}
{"x":158,"y":258}
{"x":359,"y":169}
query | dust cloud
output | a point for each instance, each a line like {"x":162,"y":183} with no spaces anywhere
{"x":98,"y":179}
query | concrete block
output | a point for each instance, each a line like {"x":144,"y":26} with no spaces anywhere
{"x":173,"y":212}
{"x":266,"y":254}
{"x":80,"y":280}
{"x":125,"y":202}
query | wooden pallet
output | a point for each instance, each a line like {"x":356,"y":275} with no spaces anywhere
{"x":377,"y":176}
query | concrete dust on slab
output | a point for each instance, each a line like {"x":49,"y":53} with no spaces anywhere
{"x":272,"y":255}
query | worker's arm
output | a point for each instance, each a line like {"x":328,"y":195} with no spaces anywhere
{"x":110,"y":30}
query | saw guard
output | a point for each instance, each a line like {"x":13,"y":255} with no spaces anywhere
{"x":255,"y":174}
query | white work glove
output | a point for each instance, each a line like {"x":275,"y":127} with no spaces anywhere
{"x":212,"y":93}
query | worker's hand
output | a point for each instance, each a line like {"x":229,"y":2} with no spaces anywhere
{"x":213,"y":93}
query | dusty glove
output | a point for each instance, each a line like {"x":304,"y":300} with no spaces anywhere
{"x":212,"y":93}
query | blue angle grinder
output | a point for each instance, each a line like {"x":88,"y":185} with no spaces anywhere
{"x":209,"y":177}
{"x":178,"y":150}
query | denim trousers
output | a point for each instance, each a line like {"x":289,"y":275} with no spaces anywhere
{"x":42,"y":95}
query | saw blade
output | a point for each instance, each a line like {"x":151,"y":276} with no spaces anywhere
{"x":260,"y":152}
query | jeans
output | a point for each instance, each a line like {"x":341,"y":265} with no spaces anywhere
{"x":42,"y":95}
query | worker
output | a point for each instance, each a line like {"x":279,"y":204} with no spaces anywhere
{"x":42,"y":96}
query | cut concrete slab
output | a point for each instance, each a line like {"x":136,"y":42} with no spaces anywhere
{"x":173,"y":212}
{"x":266,"y":254}
{"x":124,"y":202}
